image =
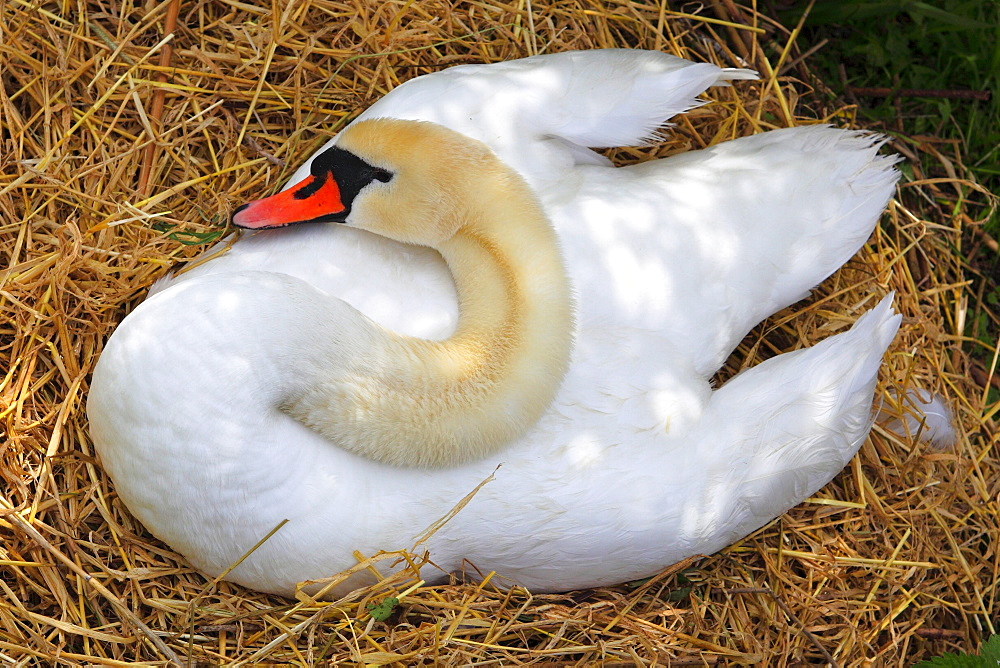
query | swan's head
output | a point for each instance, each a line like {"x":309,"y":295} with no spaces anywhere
{"x":405,"y":180}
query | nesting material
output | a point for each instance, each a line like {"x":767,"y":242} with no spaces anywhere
{"x":123,"y":153}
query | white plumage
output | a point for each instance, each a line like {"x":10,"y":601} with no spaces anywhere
{"x":637,"y":463}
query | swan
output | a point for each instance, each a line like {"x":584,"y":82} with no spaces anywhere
{"x":251,"y":390}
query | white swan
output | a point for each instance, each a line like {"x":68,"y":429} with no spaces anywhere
{"x":635,"y":464}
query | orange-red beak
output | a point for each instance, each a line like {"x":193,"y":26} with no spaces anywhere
{"x":306,"y":202}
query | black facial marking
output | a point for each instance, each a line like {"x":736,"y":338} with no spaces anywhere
{"x":351,"y":173}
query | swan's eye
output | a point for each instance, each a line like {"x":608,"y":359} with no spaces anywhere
{"x":383,"y":175}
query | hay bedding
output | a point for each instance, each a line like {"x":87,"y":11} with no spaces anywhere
{"x":892,"y":562}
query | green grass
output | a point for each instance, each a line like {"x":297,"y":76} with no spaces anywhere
{"x":903,"y":44}
{"x":988,"y":657}
{"x":944,"y":45}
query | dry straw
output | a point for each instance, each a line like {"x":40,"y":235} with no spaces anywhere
{"x":118,"y":159}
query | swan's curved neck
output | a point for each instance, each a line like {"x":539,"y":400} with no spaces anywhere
{"x":414,"y":402}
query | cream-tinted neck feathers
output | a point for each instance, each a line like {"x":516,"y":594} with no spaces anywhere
{"x":414,"y":402}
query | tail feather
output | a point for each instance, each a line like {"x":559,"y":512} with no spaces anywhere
{"x":736,"y":74}
{"x":797,"y":419}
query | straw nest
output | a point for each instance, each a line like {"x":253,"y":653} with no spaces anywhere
{"x":120,"y":158}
